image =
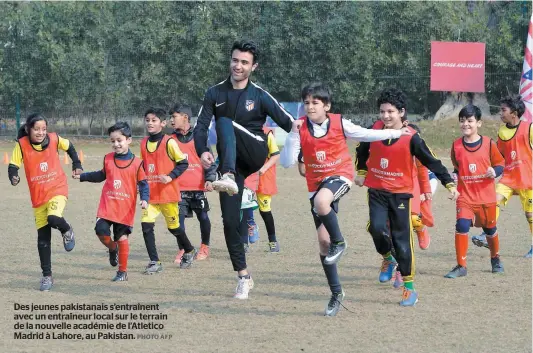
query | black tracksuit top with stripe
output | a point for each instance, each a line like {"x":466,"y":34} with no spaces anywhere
{"x":248,"y":107}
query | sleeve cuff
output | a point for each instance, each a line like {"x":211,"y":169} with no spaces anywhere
{"x":362,"y":172}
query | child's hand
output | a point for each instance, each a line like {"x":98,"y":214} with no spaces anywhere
{"x":76,"y":172}
{"x":208,"y":186}
{"x":454,"y":194}
{"x":165,"y":179}
{"x":455,"y":177}
{"x":74,"y":176}
{"x":296,"y":124}
{"x":15,"y":180}
{"x":359,"y":180}
{"x":262,"y":171}
{"x":426,"y":196}
{"x":491,"y":173}
{"x":143,"y":204}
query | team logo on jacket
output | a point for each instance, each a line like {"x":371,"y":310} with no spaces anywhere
{"x":117,"y":184}
{"x":513,"y":155}
{"x":472,"y":168}
{"x":320,"y":155}
{"x":43,"y":166}
{"x":151,"y":168}
{"x":250,"y":105}
{"x":384,"y":163}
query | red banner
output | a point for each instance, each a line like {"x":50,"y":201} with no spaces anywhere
{"x":457,"y":67}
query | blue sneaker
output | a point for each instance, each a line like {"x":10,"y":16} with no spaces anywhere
{"x":387,"y":270}
{"x":480,"y":240}
{"x":529,"y":255}
{"x":457,"y":271}
{"x":68,"y":239}
{"x":253,"y":232}
{"x":409,"y":297}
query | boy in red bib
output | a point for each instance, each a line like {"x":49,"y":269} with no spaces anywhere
{"x":163,"y":164}
{"x":123,"y":173}
{"x":477,"y":163}
{"x":329,"y":172}
{"x":194,"y":182}
{"x":39,"y":151}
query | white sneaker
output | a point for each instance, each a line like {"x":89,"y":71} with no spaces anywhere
{"x":243,"y":288}
{"x":226,"y":184}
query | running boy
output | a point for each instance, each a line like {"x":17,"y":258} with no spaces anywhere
{"x":515,"y":142}
{"x":194,"y":181}
{"x":39,"y":151}
{"x":477,"y":161}
{"x":122,"y":173}
{"x":163,"y":163}
{"x":321,"y":137}
{"x":391,"y":167}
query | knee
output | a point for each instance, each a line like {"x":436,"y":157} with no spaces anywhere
{"x":528,"y":216}
{"x":102,"y":228}
{"x":322,"y":206}
{"x":177,"y":232}
{"x":377,"y":227}
{"x":490,"y":232}
{"x":147,"y":227}
{"x":463,"y":225}
{"x":202,"y":216}
{"x":54,"y":221}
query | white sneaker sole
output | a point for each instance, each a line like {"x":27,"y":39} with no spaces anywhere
{"x":223,"y":187}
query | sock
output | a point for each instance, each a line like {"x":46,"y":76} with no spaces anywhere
{"x":123,"y":253}
{"x":106,"y":240}
{"x":494,"y":245}
{"x":409,"y":284}
{"x":182,"y":238}
{"x":205,"y":227}
{"x":245,"y":276}
{"x":388,"y":256}
{"x":269,"y":224}
{"x":332,"y":276}
{"x":332,"y":226}
{"x":44,"y":238}
{"x":149,"y":240}
{"x":461,"y":248}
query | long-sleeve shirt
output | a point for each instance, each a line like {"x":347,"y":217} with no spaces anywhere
{"x":418,"y":149}
{"x":100,"y":176}
{"x":174,"y":152}
{"x":291,"y":150}
{"x":248,"y":107}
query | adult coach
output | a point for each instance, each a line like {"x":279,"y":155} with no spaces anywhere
{"x":240,"y":108}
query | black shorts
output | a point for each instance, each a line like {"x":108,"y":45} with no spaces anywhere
{"x":193,"y":200}
{"x":103,"y":226}
{"x":338,"y":186}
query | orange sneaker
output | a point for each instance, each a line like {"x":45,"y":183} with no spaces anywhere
{"x":423,"y":238}
{"x":203,"y":253}
{"x":179,"y":255}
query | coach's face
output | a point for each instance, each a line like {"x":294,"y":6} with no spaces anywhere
{"x":242,"y":65}
{"x":391,"y":116}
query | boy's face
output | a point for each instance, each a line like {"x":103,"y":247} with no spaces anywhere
{"x":506,"y":115}
{"x":120,"y":144}
{"x":241,"y":65}
{"x":469,"y":126}
{"x":315,"y":109}
{"x":154,"y":125}
{"x":37,"y":132}
{"x":179,"y":121}
{"x":391,"y":116}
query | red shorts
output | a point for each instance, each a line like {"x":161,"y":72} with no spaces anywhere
{"x":481,"y":215}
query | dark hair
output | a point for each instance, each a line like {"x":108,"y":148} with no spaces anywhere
{"x":121,"y":126}
{"x":30,"y":123}
{"x":160,"y":113}
{"x":246,"y":46}
{"x":181,"y":108}
{"x":317,"y":90}
{"x":515,"y":103}
{"x":470,"y":110}
{"x":415,"y":127}
{"x":394,"y":97}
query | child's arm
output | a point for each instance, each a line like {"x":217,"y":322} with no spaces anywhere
{"x":14,"y":165}
{"x":358,"y":133}
{"x":92,"y":177}
{"x":423,"y":181}
{"x":496,"y":160}
{"x":289,"y":153}
{"x":421,"y":151}
{"x":273,"y":154}
{"x":67,"y":146}
{"x":144,"y":188}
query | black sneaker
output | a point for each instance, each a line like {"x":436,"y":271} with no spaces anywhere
{"x":120,"y":276}
{"x":497,"y":265}
{"x":113,"y":256}
{"x":335,"y":252}
{"x":334,"y":304}
{"x":187,"y":259}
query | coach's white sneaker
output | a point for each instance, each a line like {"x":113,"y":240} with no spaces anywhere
{"x":226,"y":184}
{"x":243,"y":288}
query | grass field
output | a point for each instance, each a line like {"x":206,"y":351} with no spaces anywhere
{"x":479,"y":313}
